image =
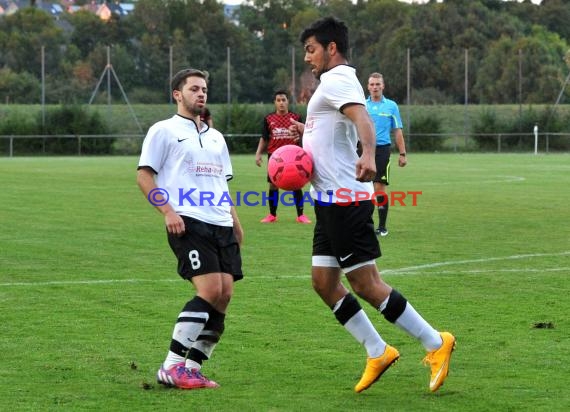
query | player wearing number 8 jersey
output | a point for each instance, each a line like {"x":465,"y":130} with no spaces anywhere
{"x":183,"y":155}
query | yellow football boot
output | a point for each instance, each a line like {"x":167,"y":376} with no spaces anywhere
{"x":375,"y":367}
{"x":439,"y":360}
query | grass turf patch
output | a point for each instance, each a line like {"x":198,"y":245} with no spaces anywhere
{"x":89,"y":293}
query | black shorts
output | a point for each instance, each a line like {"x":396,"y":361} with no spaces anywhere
{"x":345,"y":232}
{"x":383,"y":164}
{"x":206,"y":248}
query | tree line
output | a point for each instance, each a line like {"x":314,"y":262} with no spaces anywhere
{"x":495,"y":51}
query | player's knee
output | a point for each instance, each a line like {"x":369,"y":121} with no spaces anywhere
{"x":358,"y":288}
{"x":221,"y":299}
{"x":323,"y":289}
{"x":224,"y":299}
{"x":318,"y":287}
{"x":372,"y":292}
{"x":366,"y":293}
{"x":214,"y":293}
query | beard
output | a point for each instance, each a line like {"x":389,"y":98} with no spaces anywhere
{"x":324,"y":68}
{"x":193,"y":109}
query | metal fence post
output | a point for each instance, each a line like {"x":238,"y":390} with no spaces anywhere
{"x":535,"y":139}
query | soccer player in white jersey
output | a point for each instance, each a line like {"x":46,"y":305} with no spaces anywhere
{"x":344,"y":238}
{"x":183,"y":171}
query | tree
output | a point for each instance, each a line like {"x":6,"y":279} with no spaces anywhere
{"x":498,"y":76}
{"x":380,"y":43}
{"x":554,"y":15}
{"x":262,"y":39}
{"x":274,"y":33}
{"x":20,"y":88}
{"x":22,"y":36}
{"x":88,"y":32}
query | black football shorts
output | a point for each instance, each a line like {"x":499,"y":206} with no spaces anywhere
{"x":206,"y":248}
{"x":345,"y":231}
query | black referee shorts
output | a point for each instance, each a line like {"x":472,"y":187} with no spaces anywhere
{"x":383,"y":164}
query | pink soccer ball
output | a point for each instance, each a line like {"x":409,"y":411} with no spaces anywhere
{"x":290,"y":167}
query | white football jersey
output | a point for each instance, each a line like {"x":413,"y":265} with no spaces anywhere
{"x":192,"y":166}
{"x":331,"y":137}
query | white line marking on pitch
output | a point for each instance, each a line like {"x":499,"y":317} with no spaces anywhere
{"x":482,"y":260}
{"x":500,"y":179}
{"x":401,"y":271}
{"x":86,"y":282}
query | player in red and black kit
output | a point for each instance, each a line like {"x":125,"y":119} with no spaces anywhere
{"x":274,"y":135}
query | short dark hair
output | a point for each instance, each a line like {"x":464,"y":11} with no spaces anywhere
{"x":280,"y":91}
{"x":180,"y":78}
{"x":328,"y":30}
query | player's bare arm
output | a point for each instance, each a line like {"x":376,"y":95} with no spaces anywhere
{"x":238,"y":230}
{"x":401,"y":145}
{"x":296,"y":129}
{"x":260,"y":150}
{"x":366,"y":164}
{"x":174,"y":223}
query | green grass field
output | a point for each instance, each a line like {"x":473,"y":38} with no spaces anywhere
{"x":89,"y":293}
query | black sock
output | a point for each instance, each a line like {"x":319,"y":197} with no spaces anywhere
{"x":382,"y":210}
{"x":298,"y":195}
{"x":395,"y":306}
{"x":348,"y":308}
{"x":384,"y":215}
{"x":273,"y":200}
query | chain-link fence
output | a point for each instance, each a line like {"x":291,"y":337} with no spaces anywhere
{"x":130,"y":144}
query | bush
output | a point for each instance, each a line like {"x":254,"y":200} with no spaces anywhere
{"x":521,"y":130}
{"x":551,"y":121}
{"x":485,"y":130}
{"x":424,"y":126}
{"x":18,"y":87}
{"x":75,"y":120}
{"x":431,"y":95}
{"x":241,"y":119}
{"x":518,"y":131}
{"x":127,"y":146}
{"x":20,"y":124}
{"x":143,"y":95}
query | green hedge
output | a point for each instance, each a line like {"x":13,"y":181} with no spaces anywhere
{"x":62,"y":120}
{"x":479,"y":124}
{"x":518,"y":131}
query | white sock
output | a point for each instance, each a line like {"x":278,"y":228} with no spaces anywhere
{"x":171,"y":360}
{"x":416,"y":326}
{"x":364,"y":332}
{"x":190,"y":364}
